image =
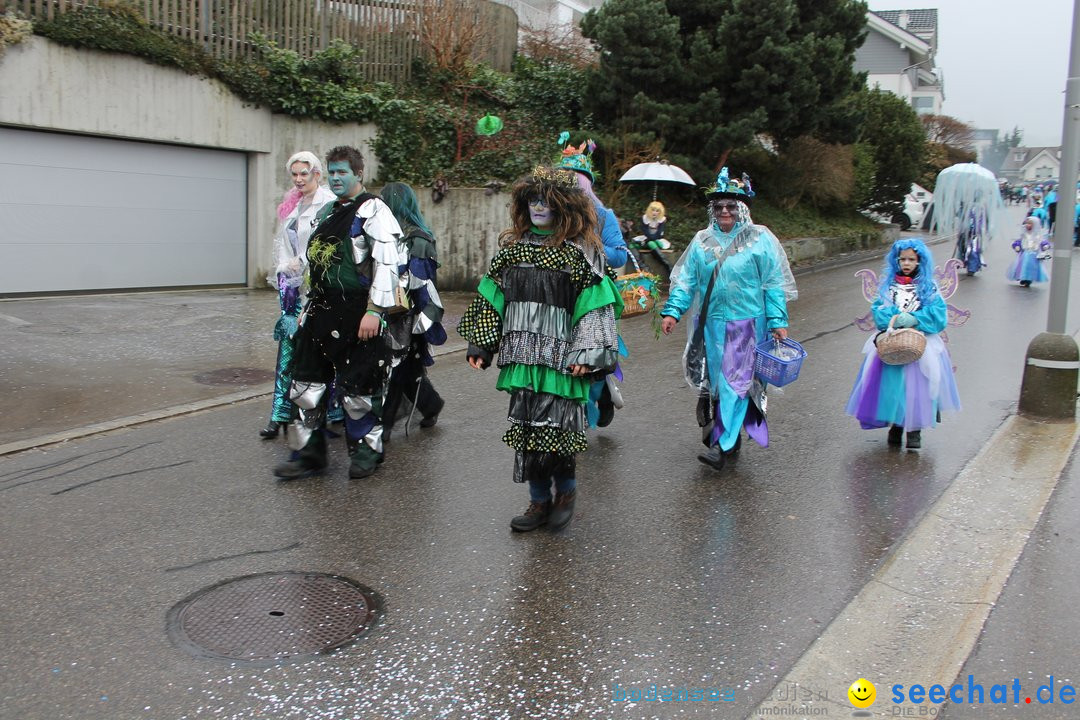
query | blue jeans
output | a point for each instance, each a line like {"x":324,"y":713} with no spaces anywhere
{"x":540,"y":490}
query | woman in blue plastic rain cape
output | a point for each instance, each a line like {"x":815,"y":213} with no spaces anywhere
{"x":748,"y":302}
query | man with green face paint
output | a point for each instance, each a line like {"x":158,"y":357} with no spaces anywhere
{"x":354,"y":256}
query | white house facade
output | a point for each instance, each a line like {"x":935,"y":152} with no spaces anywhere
{"x":899,"y":55}
{"x":550,"y":14}
{"x":1032,"y":164}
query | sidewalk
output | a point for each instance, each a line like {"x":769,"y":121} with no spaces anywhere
{"x":181,"y":351}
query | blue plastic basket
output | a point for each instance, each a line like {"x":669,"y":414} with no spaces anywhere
{"x":774,"y":370}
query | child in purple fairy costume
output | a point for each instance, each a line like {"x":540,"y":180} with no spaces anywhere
{"x":1031,"y":248}
{"x":751,"y":284}
{"x":906,"y":397}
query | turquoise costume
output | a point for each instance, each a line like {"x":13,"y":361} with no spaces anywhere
{"x":748,"y":301}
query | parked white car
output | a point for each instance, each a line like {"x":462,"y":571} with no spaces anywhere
{"x":915,"y":204}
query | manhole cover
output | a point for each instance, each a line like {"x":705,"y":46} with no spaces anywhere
{"x":235,"y":376}
{"x":272,"y":616}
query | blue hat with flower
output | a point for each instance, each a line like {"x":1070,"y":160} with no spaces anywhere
{"x":578,"y":157}
{"x":727,"y":187}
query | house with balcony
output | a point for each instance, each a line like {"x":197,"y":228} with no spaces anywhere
{"x":899,"y":56}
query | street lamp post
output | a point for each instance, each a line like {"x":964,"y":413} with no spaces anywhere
{"x":1053,"y":359}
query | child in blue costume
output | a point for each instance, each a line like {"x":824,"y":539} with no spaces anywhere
{"x":548,"y":307}
{"x":604,"y":396}
{"x":1032,"y":247}
{"x":906,"y":397}
{"x":753,"y":284}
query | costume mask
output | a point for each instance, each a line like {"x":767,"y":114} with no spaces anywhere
{"x":342,"y":179}
{"x":539,"y":213}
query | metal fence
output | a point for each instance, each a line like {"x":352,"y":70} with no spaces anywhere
{"x":385,"y":31}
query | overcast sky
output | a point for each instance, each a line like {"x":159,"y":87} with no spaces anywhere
{"x":1005,"y":62}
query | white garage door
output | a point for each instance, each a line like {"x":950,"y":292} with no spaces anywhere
{"x":89,"y":213}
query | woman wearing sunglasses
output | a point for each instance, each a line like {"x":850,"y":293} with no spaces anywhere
{"x":734,"y":279}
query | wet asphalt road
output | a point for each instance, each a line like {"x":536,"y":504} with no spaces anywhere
{"x":670,"y":573}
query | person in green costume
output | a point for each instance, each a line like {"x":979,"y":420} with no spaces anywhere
{"x":547,"y":306}
{"x":355,"y":259}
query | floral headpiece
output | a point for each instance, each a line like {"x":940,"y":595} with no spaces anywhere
{"x":725,"y":187}
{"x":577,"y":158}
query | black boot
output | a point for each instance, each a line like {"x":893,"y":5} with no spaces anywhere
{"x":308,"y":461}
{"x":734,"y":448}
{"x":896,"y":435}
{"x":535,"y":515}
{"x":271,"y":430}
{"x":562,"y":510}
{"x":914,"y":439}
{"x":363,"y":461}
{"x":432,"y":416}
{"x":713,"y":458}
{"x":606,"y":407}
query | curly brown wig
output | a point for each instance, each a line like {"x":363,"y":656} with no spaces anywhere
{"x":573,"y":214}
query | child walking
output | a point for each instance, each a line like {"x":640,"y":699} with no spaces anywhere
{"x":1031,"y":248}
{"x":906,"y":397}
{"x":548,"y":307}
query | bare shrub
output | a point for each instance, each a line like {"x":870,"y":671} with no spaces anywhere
{"x":453,"y":32}
{"x":819,"y":173}
{"x":557,"y":44}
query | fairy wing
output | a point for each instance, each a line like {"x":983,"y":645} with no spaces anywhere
{"x":869,"y":283}
{"x":866,"y":322}
{"x":947,"y":277}
{"x":957,"y":317}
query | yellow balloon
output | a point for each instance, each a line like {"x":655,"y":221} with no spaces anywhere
{"x":862,"y":693}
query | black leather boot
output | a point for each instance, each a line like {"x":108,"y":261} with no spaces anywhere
{"x":914,"y":439}
{"x":562,"y":510}
{"x":534,"y":516}
{"x":713,"y":458}
{"x":271,"y":430}
{"x":432,"y":416}
{"x":308,"y":461}
{"x":896,"y":435}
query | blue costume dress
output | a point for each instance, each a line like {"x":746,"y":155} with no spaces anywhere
{"x":748,"y":301}
{"x":1032,"y":248}
{"x":911,"y":396}
{"x":615,"y":254}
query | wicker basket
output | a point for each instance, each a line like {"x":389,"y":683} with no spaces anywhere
{"x":637,"y":290}
{"x":899,"y":347}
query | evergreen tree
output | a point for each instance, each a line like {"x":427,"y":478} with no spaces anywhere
{"x":707,"y":75}
{"x":894,"y":132}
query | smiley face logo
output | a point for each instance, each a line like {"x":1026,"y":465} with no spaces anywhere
{"x":862,"y":693}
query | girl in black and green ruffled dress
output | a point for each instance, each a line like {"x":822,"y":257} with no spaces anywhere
{"x":548,"y":306}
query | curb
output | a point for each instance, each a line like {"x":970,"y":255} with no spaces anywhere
{"x":919,"y":616}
